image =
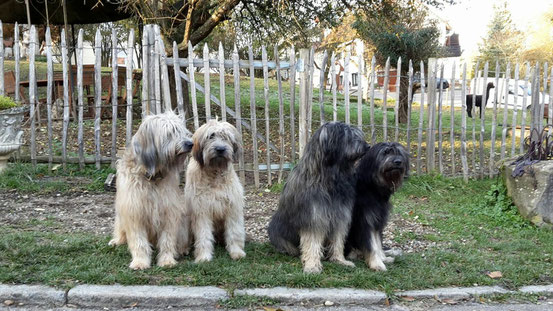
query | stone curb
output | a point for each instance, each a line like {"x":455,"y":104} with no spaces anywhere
{"x":32,"y":295}
{"x":537,"y":289}
{"x":144,"y":296}
{"x":454,"y":292}
{"x":335,"y":295}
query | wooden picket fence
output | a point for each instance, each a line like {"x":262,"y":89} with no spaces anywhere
{"x":275,"y":136}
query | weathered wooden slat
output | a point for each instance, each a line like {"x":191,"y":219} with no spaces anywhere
{"x":322,"y":88}
{"x":440,"y":123}
{"x":65,"y":126}
{"x":80,"y":101}
{"x":542,"y":96}
{"x":515,"y":112}
{"x":50,"y":87}
{"x":372,"y":83}
{"x":396,"y":106}
{"x":311,"y":68}
{"x":464,"y":161}
{"x":431,"y":129}
{"x":385,"y":100}
{"x":253,"y":117}
{"x":222,"y":95}
{"x":191,"y":70}
{"x":482,"y":119}
{"x":178,"y":84}
{"x":157,"y":70}
{"x":304,"y":102}
{"x":98,"y":95}
{"x":145,"y":73}
{"x":504,"y":126}
{"x":421,"y":122}
{"x":2,"y":88}
{"x":114,"y":99}
{"x":409,"y":105}
{"x":550,"y":101}
{"x":534,"y":98}
{"x":17,"y":56}
{"x":473,"y":152}
{"x":361,"y":65}
{"x":333,"y":85}
{"x":238,"y":109}
{"x":155,"y":105}
{"x":524,"y":99}
{"x":242,"y":64}
{"x":346,"y":87}
{"x":494,"y":120}
{"x":267,"y":125}
{"x":207,"y":84}
{"x":452,"y":119}
{"x":32,"y":94}
{"x":167,"y":106}
{"x":293,"y":103}
{"x":129,"y":86}
{"x":280,"y":115}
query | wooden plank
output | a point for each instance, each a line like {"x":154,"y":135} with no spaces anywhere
{"x":504,"y":126}
{"x":550,"y":133}
{"x":32,"y":94}
{"x":482,"y":118}
{"x":167,"y":106}
{"x":238,"y":109}
{"x":65,"y":126}
{"x":207,"y":84}
{"x":178,"y":83}
{"x":431,"y":129}
{"x":515,"y":112}
{"x":191,"y":70}
{"x":253,"y":117}
{"x":145,"y":73}
{"x":80,"y":101}
{"x":452,"y":119}
{"x":542,"y":95}
{"x":129,"y":87}
{"x":222,"y":94}
{"x":280,"y":115}
{"x":333,"y":85}
{"x":385,"y":100}
{"x":491,"y":167}
{"x":2,"y":88}
{"x":311,"y":68}
{"x":304,"y":94}
{"x":98,"y":96}
{"x":361,"y":65}
{"x":346,"y":86}
{"x":464,"y":125}
{"x":49,"y":89}
{"x":293,"y":104}
{"x":322,"y":88}
{"x":267,"y":125}
{"x":421,"y":123}
{"x":114,"y":98}
{"x":17,"y":56}
{"x":396,"y":106}
{"x":155,"y":106}
{"x":473,"y":152}
{"x":372,"y":83}
{"x":440,"y":123}
{"x":409,"y":105}
{"x":524,"y":99}
{"x":242,"y":64}
{"x":533,"y":101}
{"x":157,"y":70}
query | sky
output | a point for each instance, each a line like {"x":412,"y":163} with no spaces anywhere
{"x":470,"y":18}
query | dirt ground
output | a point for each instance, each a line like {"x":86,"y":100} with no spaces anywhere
{"x":94,"y":213}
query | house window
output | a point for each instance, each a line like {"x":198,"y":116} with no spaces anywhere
{"x":354,"y":79}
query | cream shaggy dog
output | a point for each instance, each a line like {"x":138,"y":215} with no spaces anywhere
{"x":148,"y":202}
{"x":213,"y":192}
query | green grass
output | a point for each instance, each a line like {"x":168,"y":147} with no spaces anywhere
{"x":27,"y":179}
{"x":475,"y":226}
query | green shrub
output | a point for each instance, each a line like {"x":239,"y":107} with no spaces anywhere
{"x":6,"y":103}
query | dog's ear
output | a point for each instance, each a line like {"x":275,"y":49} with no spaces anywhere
{"x":144,"y":148}
{"x":198,"y":148}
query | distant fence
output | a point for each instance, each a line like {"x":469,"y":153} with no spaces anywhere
{"x":278,"y":121}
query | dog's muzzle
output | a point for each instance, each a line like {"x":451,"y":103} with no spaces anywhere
{"x":187,"y":146}
{"x":220,"y":150}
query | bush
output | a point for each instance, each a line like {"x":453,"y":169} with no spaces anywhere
{"x":6,"y":103}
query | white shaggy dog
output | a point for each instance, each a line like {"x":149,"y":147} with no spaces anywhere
{"x":148,"y":202}
{"x":213,"y":192}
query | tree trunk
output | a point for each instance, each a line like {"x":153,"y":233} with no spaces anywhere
{"x":403,"y":97}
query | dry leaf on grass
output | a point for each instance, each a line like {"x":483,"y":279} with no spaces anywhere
{"x":495,"y":274}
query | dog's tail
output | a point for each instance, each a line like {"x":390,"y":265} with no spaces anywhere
{"x":283,"y":237}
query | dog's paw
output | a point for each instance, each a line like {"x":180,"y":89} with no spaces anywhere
{"x":393,"y":252}
{"x":388,"y":259}
{"x":377,"y":265}
{"x":237,"y":254}
{"x":314,"y":268}
{"x":343,"y":262}
{"x":139,"y":264}
{"x":115,"y":242}
{"x":166,"y":261}
{"x":203,"y":258}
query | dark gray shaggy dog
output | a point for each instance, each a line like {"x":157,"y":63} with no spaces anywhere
{"x":380,"y":173}
{"x":317,"y":199}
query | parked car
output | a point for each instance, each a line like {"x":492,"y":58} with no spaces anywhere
{"x":417,"y":82}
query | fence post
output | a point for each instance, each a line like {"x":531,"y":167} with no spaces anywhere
{"x":304,"y":101}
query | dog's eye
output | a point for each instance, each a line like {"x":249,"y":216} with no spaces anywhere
{"x":212,"y":136}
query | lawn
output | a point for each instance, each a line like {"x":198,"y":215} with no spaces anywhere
{"x":474,"y":226}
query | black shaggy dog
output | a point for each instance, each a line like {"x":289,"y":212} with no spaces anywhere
{"x":478,"y":100}
{"x":380,"y":173}
{"x":317,"y":199}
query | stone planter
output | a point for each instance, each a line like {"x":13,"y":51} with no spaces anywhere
{"x":10,"y":132}
{"x":532,"y":192}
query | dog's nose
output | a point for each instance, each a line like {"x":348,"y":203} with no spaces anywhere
{"x":398,"y":162}
{"x":188,"y":145}
{"x":220,"y":149}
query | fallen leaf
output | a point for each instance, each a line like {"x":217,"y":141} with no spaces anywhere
{"x":408,"y":298}
{"x":495,"y":274}
{"x":449,"y":301}
{"x":8,"y":302}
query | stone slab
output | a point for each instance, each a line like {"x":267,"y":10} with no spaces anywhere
{"x":32,"y":295}
{"x":537,"y":289}
{"x":453,"y":292}
{"x":335,"y":295}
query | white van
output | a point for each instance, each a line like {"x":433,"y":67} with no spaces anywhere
{"x":513,"y":95}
